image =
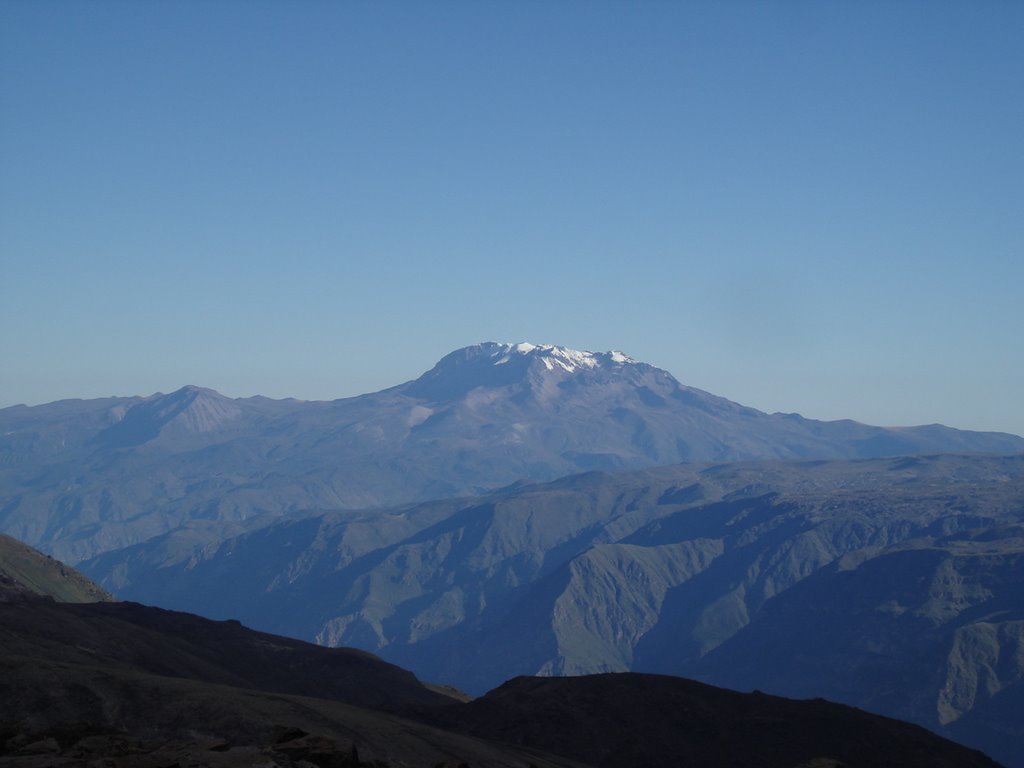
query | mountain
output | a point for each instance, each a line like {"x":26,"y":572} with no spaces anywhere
{"x":90,"y":683}
{"x":946,"y":620}
{"x":129,"y":685}
{"x":894,"y":585}
{"x":187,"y":412}
{"x":669,"y":721}
{"x":79,"y":478}
{"x":27,"y":573}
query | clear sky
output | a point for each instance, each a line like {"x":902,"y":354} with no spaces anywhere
{"x":802,"y":206}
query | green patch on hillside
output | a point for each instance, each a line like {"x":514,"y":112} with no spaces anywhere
{"x":27,"y":573}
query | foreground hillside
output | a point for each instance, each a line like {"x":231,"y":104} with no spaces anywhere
{"x":671,"y":721}
{"x":896,"y":585}
{"x":79,"y":478}
{"x":124,"y":684}
{"x":149,"y":687}
{"x":26,"y":573}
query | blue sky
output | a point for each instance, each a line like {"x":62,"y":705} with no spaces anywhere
{"x":802,"y":206}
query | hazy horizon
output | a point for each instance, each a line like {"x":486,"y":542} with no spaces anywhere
{"x":809,"y":208}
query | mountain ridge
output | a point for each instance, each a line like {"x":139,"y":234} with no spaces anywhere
{"x":136,"y":686}
{"x":717,"y":572}
{"x":78,"y":478}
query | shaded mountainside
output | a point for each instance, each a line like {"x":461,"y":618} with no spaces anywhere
{"x":78,"y":478}
{"x":28,"y":573}
{"x":936,"y":628}
{"x":148,"y":687}
{"x":670,"y":721}
{"x":889,"y":584}
{"x":168,"y":643}
{"x":145,"y":687}
{"x":121,"y":683}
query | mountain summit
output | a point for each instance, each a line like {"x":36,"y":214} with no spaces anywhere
{"x":82,"y":477}
{"x":190,"y":410}
{"x":493,"y":364}
{"x":550,"y":356}
{"x":500,"y":353}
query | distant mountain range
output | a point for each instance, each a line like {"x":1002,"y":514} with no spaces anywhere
{"x":79,"y":478}
{"x":128,"y":685}
{"x":688,"y":534}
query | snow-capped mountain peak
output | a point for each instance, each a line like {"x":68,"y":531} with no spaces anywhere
{"x":553,"y":357}
{"x":498,"y":364}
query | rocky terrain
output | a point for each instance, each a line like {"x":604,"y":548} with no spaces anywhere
{"x":890,"y":584}
{"x":128,"y":685}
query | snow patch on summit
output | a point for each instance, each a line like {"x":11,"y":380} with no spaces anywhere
{"x":557,"y":358}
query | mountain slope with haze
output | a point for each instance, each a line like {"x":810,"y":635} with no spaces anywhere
{"x":889,"y":584}
{"x":139,"y":687}
{"x":78,"y":478}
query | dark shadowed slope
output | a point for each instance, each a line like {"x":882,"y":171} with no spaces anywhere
{"x":78,"y":478}
{"x":148,"y":687}
{"x":128,"y":685}
{"x":155,"y":641}
{"x":144,"y":687}
{"x":636,"y":721}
